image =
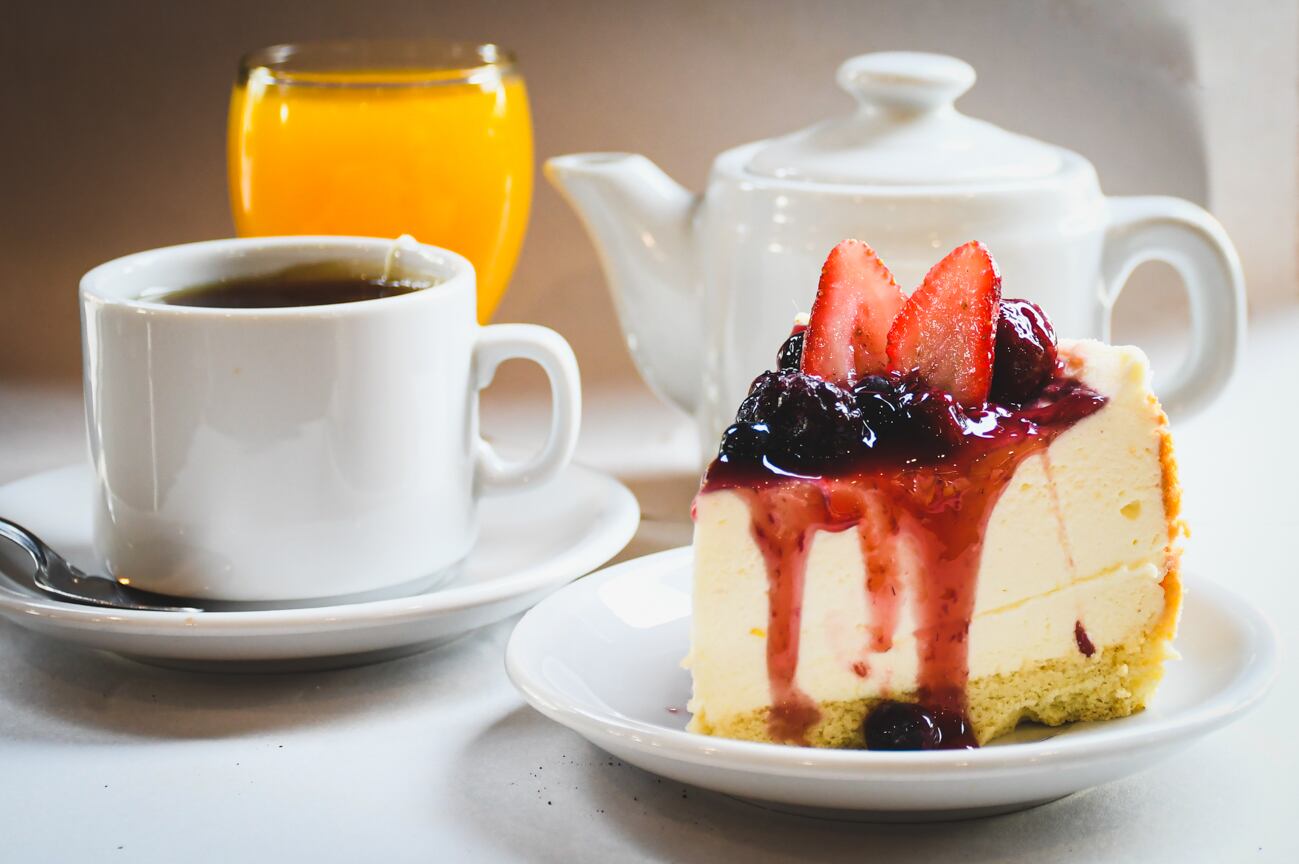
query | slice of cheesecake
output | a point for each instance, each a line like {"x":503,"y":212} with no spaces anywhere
{"x":900,"y":550}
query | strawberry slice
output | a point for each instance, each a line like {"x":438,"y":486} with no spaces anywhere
{"x":856,"y":301}
{"x":948,"y":328}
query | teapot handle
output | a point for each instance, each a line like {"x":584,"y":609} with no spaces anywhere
{"x":1159,"y":228}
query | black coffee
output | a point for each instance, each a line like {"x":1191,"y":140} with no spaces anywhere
{"x":265,"y":292}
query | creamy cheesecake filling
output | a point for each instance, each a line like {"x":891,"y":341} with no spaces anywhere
{"x":1115,"y":607}
{"x":1071,"y":556}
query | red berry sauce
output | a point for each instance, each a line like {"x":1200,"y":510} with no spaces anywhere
{"x":1085,"y":646}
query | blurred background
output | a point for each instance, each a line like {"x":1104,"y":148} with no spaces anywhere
{"x":116,"y":136}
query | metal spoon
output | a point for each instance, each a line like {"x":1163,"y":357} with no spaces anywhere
{"x":29,"y":561}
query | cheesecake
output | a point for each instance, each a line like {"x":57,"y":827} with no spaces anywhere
{"x":932,"y":522}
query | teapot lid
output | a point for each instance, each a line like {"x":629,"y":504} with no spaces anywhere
{"x":906,"y":131}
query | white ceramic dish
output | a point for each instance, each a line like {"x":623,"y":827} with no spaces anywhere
{"x":602,"y":657}
{"x":529,"y":544}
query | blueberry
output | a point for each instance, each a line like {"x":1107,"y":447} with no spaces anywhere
{"x":877,"y":398}
{"x":811,"y":422}
{"x":743,"y":442}
{"x":876,"y":384}
{"x":1025,"y":358}
{"x":901,"y":726}
{"x":933,"y":417}
{"x":908,"y":726}
{"x":880,"y":415}
{"x":790,"y":355}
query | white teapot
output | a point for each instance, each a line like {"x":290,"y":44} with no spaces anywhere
{"x":706,"y":285}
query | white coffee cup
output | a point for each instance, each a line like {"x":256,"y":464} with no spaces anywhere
{"x":306,"y":452}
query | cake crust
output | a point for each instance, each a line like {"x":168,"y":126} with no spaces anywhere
{"x":1115,"y":682}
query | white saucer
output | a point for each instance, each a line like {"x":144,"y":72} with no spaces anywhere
{"x":602,"y":657}
{"x":529,"y":544}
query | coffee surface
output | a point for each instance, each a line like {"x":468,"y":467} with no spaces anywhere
{"x":266,"y":292}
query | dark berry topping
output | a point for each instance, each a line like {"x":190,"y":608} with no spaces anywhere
{"x":877,"y":384}
{"x":744,"y":442}
{"x":901,"y":726}
{"x":791,"y":352}
{"x":908,"y":726}
{"x":1025,"y":358}
{"x":806,"y":425}
{"x":933,"y":418}
{"x":810,"y":422}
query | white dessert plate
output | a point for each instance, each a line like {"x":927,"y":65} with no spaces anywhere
{"x":602,"y":657}
{"x":530,"y":543}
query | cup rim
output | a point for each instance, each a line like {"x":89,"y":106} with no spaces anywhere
{"x":451,"y":270}
{"x":426,"y":62}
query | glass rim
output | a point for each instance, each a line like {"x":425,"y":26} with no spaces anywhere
{"x":370,"y":62}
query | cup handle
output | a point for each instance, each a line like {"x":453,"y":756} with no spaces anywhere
{"x":543,"y":346}
{"x":1159,"y":228}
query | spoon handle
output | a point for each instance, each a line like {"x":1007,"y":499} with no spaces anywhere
{"x":48,"y":572}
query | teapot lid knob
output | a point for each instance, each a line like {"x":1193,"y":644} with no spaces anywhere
{"x":909,"y":81}
{"x":905,"y":131}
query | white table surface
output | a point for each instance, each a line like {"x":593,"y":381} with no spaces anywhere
{"x":434,"y":757}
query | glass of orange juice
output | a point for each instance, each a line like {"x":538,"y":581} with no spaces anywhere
{"x":427,"y":138}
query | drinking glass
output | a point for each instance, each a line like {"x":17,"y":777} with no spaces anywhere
{"x":383,"y":138}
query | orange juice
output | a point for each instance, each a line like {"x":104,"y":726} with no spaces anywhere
{"x":444,"y":155}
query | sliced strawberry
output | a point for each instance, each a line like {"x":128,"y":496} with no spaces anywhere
{"x":856,"y":301}
{"x":947,"y":330}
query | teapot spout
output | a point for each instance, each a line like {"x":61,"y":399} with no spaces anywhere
{"x":642,"y":224}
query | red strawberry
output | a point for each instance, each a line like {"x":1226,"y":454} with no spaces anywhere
{"x":855,"y":304}
{"x":948,"y":327}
